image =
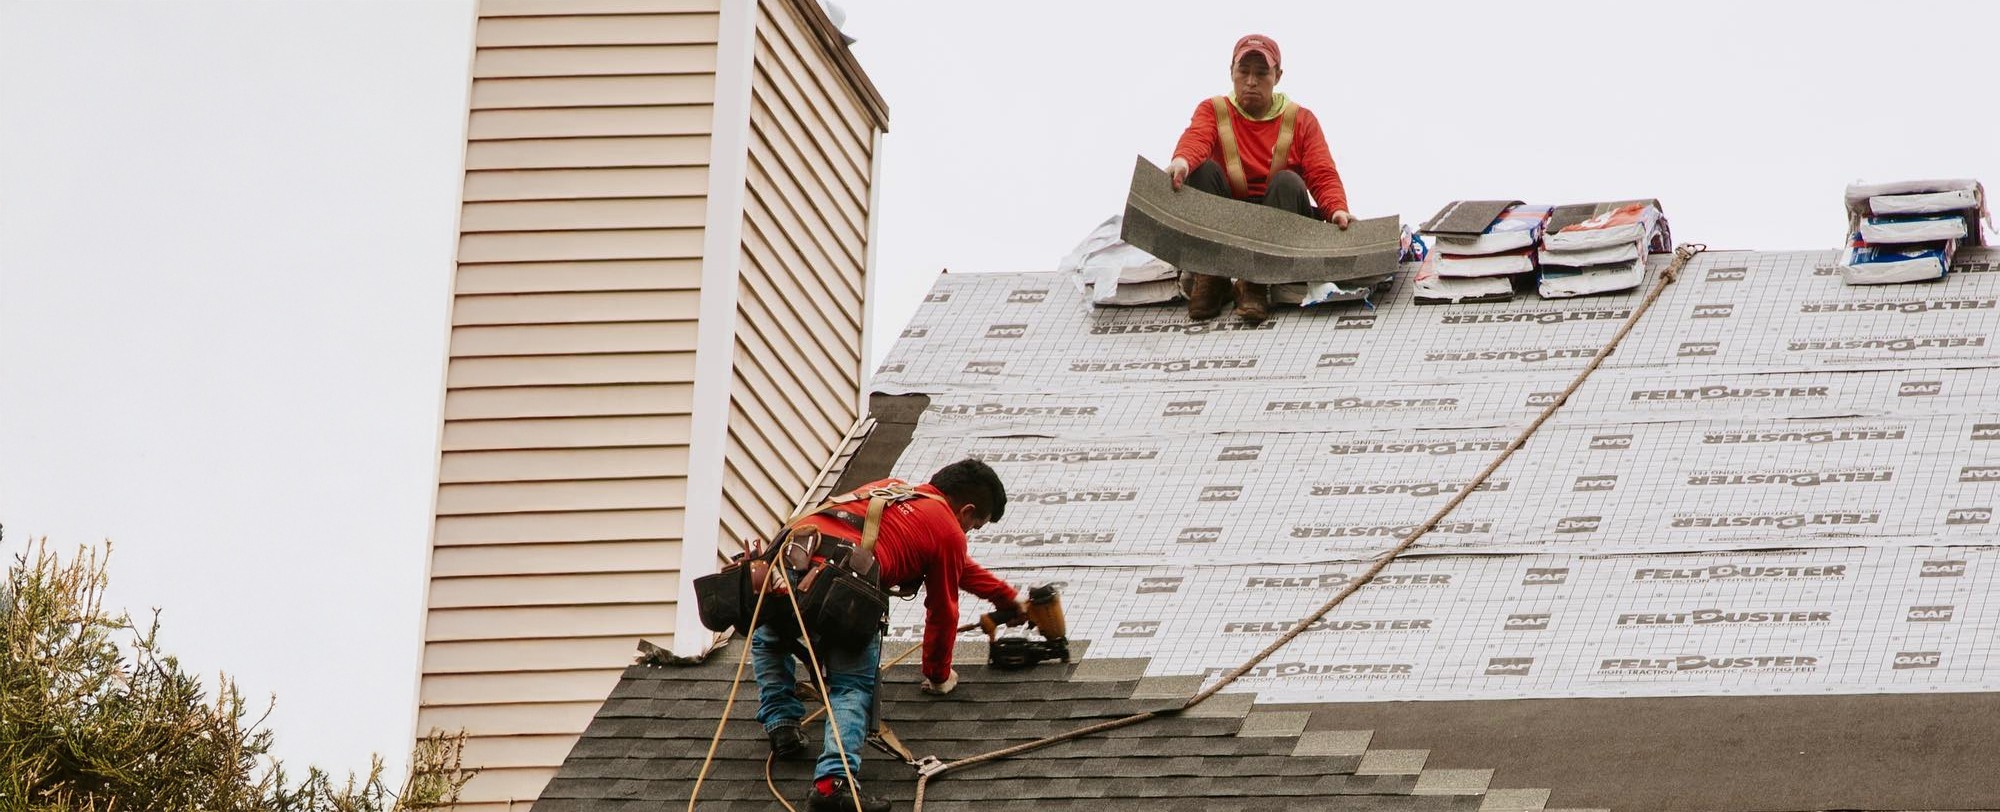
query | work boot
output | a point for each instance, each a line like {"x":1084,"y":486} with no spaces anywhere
{"x":1205,"y":296}
{"x":786,"y":741}
{"x":1253,"y":302}
{"x":839,"y":798}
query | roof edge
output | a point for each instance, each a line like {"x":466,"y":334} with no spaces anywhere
{"x":830,"y":42}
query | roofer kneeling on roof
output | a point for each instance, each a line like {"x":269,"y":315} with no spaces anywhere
{"x":1255,"y":145}
{"x":918,"y":540}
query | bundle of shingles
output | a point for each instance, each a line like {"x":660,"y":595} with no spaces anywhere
{"x":1487,"y":249}
{"x":1479,"y":248}
{"x":1600,"y":247}
{"x":1908,"y":231}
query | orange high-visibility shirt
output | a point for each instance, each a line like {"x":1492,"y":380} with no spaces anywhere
{"x":1255,"y":141}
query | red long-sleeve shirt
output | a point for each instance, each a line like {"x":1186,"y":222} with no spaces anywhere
{"x":1256,"y":140}
{"x":920,"y":542}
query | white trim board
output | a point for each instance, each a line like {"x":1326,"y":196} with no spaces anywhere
{"x":715,"y":338}
{"x":416,"y":696}
{"x":869,"y":278}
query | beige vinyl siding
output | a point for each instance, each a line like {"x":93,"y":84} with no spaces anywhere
{"x":563,"y":474}
{"x":799,"y":301}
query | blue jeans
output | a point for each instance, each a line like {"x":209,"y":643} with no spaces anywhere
{"x":850,"y":683}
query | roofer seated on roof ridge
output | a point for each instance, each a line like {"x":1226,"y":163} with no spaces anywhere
{"x":1258,"y":146}
{"x":919,"y":541}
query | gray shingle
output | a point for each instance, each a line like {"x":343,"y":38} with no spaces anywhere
{"x":1274,"y":723}
{"x":1204,"y":233}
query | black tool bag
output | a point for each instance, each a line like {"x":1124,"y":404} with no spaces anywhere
{"x":720,"y":596}
{"x":842,"y":609}
{"x":727,"y":598}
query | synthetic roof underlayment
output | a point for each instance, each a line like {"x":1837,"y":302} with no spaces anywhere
{"x":1778,"y":484}
{"x":1744,"y":569}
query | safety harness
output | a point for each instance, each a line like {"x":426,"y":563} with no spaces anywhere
{"x":838,"y":581}
{"x":1232,"y":161}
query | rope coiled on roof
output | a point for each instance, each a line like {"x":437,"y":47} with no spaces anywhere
{"x":1682,"y":255}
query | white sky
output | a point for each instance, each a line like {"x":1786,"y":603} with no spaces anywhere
{"x":226,"y":234}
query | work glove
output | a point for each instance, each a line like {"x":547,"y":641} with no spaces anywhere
{"x":1178,"y":172}
{"x":935,"y":689}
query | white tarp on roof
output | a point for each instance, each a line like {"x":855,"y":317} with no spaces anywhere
{"x":1779,"y":484}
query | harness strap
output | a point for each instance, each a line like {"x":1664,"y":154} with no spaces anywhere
{"x":1232,"y":162}
{"x":872,"y":526}
{"x":1283,"y":149}
{"x":879,"y":500}
{"x":1232,"y":159}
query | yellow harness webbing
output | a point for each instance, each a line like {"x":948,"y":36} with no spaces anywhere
{"x":1232,"y":160}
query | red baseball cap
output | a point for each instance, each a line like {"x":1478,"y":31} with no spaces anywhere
{"x":1258,"y":44}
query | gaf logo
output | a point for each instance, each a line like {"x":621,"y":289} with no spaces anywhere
{"x":1611,"y":442}
{"x":1006,"y":331}
{"x":1027,"y":296}
{"x":1221,"y":493}
{"x":1919,"y":389}
{"x":1986,"y":431}
{"x":1979,"y":473}
{"x":1713,"y":311}
{"x":1199,"y":535}
{"x":1578,"y":524}
{"x":1526,"y":623}
{"x":890,"y":369}
{"x":936,"y":297}
{"x":1942,"y":569}
{"x":1699,"y":349}
{"x":1185,"y":408}
{"x":1929,"y":614}
{"x":1545,"y":576}
{"x":985,"y":367}
{"x":916,"y":332}
{"x":1161,"y":585}
{"x":1969,"y":516}
{"x":1543,"y":398}
{"x":1239,"y":453}
{"x":1137,"y":628}
{"x":1338,"y":359}
{"x":1509,"y":666}
{"x":1916,"y":659}
{"x":1727,"y":274}
{"x":1357,"y":321}
{"x":1600,"y":482}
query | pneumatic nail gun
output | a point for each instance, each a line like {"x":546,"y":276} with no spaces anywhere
{"x":1045,"y":616}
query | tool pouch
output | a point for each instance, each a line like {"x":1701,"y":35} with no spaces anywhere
{"x":844,"y":610}
{"x":839,"y":596}
{"x":724,"y":598}
{"x":727,"y":598}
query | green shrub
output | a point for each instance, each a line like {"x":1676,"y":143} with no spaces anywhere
{"x":94,"y":715}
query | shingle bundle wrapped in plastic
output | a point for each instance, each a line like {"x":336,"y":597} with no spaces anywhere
{"x":1479,"y":247}
{"x":1603,"y":251}
{"x":1908,"y":231}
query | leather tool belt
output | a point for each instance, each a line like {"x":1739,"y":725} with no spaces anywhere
{"x":838,"y":582}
